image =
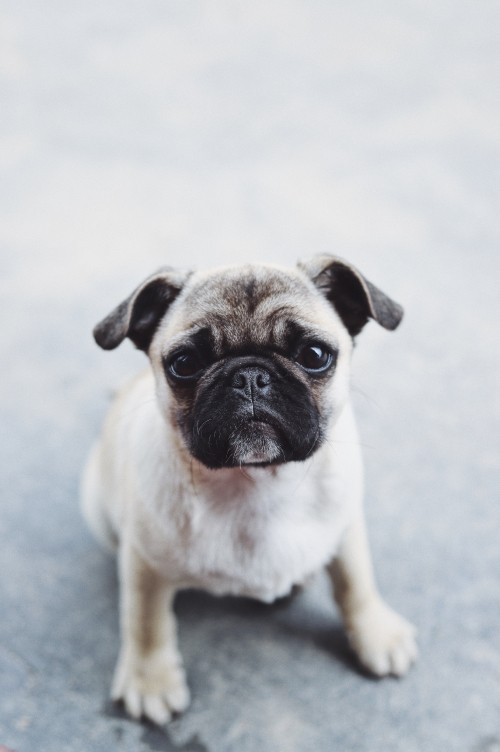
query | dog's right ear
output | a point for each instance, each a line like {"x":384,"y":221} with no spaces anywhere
{"x":139,"y":315}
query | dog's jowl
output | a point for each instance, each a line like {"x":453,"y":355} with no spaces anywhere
{"x":232,"y":464}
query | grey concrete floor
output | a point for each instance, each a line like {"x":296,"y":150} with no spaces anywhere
{"x":135,"y":134}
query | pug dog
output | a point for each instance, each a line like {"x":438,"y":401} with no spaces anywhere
{"x":233,"y":464}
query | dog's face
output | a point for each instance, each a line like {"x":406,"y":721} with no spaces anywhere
{"x":251,"y":363}
{"x":245,"y":365}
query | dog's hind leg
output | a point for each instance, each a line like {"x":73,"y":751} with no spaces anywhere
{"x":92,"y":502}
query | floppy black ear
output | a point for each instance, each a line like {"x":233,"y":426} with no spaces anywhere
{"x":139,"y":315}
{"x":353,"y":297}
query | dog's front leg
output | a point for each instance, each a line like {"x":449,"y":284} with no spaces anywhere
{"x":149,"y":675}
{"x":383,"y":641}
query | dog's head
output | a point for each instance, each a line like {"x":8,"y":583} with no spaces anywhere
{"x":251,"y":362}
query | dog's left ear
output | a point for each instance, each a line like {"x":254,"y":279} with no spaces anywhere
{"x":354,"y":298}
{"x":139,"y":315}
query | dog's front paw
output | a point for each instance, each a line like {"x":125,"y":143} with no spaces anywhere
{"x":153,"y":687}
{"x":383,"y":641}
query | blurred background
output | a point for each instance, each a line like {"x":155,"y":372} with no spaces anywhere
{"x":134,"y":134}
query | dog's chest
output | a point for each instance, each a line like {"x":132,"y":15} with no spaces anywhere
{"x":255,"y":539}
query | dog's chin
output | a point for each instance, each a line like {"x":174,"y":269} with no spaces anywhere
{"x":255,"y":443}
{"x":252,"y":443}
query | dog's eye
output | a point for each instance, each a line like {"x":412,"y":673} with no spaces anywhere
{"x":314,"y":358}
{"x":186,"y":365}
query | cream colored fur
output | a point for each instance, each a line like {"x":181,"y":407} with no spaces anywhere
{"x":253,"y":531}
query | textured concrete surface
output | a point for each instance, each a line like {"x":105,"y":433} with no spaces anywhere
{"x":138,"y":133}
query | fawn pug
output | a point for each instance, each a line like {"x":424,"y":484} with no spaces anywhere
{"x":233,"y":464}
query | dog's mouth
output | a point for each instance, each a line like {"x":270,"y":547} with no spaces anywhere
{"x":255,"y":442}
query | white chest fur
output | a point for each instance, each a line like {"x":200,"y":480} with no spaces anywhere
{"x":255,"y":532}
{"x":262,"y":542}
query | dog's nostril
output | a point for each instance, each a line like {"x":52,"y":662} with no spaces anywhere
{"x":263,"y":379}
{"x":248,"y":379}
{"x":239,"y":380}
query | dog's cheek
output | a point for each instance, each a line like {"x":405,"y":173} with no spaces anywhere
{"x":321,"y":397}
{"x":181,"y":415}
{"x":335,"y":394}
{"x":207,"y":428}
{"x":174,"y":404}
{"x":305,"y":426}
{"x":306,"y":406}
{"x":198,"y":420}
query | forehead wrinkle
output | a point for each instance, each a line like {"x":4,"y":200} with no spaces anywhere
{"x":244,"y":287}
{"x":251,"y":308}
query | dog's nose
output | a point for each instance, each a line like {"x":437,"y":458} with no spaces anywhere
{"x":251,"y":380}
